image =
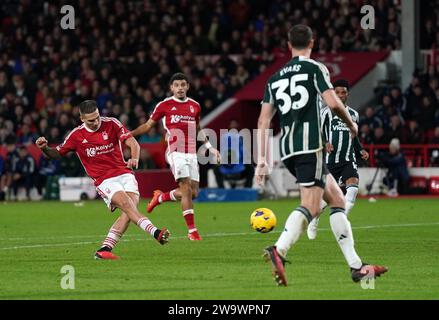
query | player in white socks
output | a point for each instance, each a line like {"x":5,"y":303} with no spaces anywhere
{"x":98,"y":145}
{"x":340,"y":152}
{"x":294,"y":93}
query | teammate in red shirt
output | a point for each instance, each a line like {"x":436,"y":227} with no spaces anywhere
{"x":181,"y":119}
{"x":98,"y":144}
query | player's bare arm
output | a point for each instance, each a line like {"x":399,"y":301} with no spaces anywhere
{"x":359,"y":148}
{"x":267,"y":113}
{"x":364,"y":155}
{"x":208,"y":144}
{"x":329,"y":147}
{"x":143,"y":128}
{"x":334,"y":102}
{"x":134,"y":146}
{"x":42,"y":144}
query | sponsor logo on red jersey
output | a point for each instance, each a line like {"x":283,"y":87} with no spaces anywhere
{"x":91,"y":152}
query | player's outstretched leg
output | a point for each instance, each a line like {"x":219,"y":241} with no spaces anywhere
{"x":159,"y":197}
{"x":186,"y":191}
{"x":161,"y":235}
{"x":125,"y":203}
{"x":343,"y":233}
{"x":313,"y":225}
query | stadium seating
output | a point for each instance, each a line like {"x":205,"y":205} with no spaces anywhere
{"x":127,"y":83}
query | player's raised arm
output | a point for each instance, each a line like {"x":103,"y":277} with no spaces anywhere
{"x":134,"y":146}
{"x":333,"y":102}
{"x":42,"y":144}
{"x":143,"y":128}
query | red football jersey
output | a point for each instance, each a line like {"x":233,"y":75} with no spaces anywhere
{"x":180,"y":120}
{"x":100,"y":151}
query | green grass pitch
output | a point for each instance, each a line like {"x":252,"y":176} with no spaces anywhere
{"x":37,"y":239}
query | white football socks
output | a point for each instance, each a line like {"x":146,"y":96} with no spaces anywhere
{"x":343,"y":234}
{"x":350,"y":196}
{"x":146,"y":224}
{"x":294,"y":227}
{"x":112,"y":238}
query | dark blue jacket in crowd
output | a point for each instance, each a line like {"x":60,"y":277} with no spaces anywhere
{"x":232,"y":150}
{"x":25,"y":166}
{"x":49,"y":167}
{"x":397,"y":166}
{"x":2,"y":165}
{"x":11,"y":161}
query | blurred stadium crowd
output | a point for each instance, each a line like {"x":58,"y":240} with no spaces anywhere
{"x":122,"y":54}
{"x":411,"y":116}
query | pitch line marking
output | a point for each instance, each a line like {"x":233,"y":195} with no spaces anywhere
{"x":220,"y":234}
{"x":216,"y":234}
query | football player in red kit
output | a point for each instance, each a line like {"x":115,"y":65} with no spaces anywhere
{"x":98,"y":144}
{"x":181,"y":120}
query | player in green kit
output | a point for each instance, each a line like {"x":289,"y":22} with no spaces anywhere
{"x":295,"y":93}
{"x":340,"y":152}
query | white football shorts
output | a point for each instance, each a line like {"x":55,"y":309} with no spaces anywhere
{"x":184,"y":165}
{"x":126,"y":182}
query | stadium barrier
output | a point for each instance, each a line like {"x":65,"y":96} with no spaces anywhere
{"x":282,"y":183}
{"x":75,"y":189}
{"x":227,"y":195}
{"x":417,"y":155}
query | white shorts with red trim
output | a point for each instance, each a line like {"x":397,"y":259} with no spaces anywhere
{"x":184,"y":165}
{"x":126,"y":182}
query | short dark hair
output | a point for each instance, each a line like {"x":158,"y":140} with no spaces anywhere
{"x":178,"y":76}
{"x":87,"y":106}
{"x":300,"y":36}
{"x":341,"y":83}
